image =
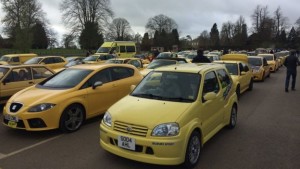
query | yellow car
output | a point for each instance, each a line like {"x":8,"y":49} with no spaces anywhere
{"x":16,"y":59}
{"x":137,"y":62}
{"x":18,"y":77}
{"x":98,"y":58}
{"x":272,"y":61}
{"x":260,"y":68}
{"x":53,"y":62}
{"x":240,"y":71}
{"x":159,"y":62}
{"x":69,"y":97}
{"x":171,"y":114}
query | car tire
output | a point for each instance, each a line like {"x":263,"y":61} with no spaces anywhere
{"x":269,"y":74}
{"x":72,"y":118}
{"x":233,"y":117}
{"x":238,"y":92}
{"x":250,"y":87}
{"x":193,"y":150}
{"x":263,"y":77}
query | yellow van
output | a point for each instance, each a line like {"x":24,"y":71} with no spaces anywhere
{"x":118,"y":48}
{"x":16,"y":59}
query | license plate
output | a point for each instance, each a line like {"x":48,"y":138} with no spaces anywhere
{"x":11,"y":118}
{"x":126,"y":142}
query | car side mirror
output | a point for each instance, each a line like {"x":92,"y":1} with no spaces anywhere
{"x":96,"y":84}
{"x":5,"y":81}
{"x":132,"y":87}
{"x":210,"y":96}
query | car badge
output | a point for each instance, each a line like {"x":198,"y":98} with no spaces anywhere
{"x":129,"y":129}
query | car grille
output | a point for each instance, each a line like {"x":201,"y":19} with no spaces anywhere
{"x":130,"y":129}
{"x":14,"y":107}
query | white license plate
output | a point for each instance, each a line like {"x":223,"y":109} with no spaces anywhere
{"x":126,"y":142}
{"x":11,"y":118}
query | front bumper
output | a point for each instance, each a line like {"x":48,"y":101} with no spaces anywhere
{"x":153,"y":150}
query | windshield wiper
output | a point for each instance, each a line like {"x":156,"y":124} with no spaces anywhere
{"x":181,"y":99}
{"x":147,"y":95}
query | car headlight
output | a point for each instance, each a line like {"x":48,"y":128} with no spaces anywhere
{"x":41,"y":107}
{"x":107,"y":119}
{"x":167,"y":129}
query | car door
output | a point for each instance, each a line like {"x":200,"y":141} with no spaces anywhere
{"x":243,"y":77}
{"x":212,"y":112}
{"x":13,"y":82}
{"x":40,"y":73}
{"x":266,"y":67}
{"x":99,"y":99}
{"x":124,"y":78}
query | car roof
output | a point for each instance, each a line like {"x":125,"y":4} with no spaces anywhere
{"x":99,"y":66}
{"x":191,"y":67}
{"x":256,"y":57}
{"x":227,"y":61}
{"x":235,"y":57}
{"x":266,"y":54}
{"x":48,"y":56}
{"x":177,"y":59}
{"x":23,"y":65}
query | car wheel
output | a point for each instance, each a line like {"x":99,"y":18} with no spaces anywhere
{"x":72,"y":118}
{"x":250,"y":87}
{"x":238,"y":92}
{"x":193,"y":150}
{"x":233,"y":117}
{"x":269,"y":74}
{"x":263,"y":77}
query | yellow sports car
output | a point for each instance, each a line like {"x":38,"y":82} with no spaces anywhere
{"x":240,"y":71}
{"x":68,"y":98}
{"x":171,"y":114}
{"x":18,"y":77}
{"x":260,"y":68}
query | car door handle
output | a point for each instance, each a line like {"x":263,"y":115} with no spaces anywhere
{"x":31,"y":82}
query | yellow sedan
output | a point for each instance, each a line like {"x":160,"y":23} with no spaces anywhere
{"x":171,"y":114}
{"x":68,"y":98}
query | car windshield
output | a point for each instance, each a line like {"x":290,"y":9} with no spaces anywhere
{"x":91,"y":58}
{"x":190,"y":56}
{"x":67,"y":78}
{"x":69,"y":59}
{"x":170,"y":86}
{"x":269,"y":57}
{"x":255,"y":61}
{"x":115,"y":61}
{"x":73,"y":63}
{"x":3,"y":72}
{"x":33,"y":61}
{"x":232,"y":68}
{"x":103,"y":50}
{"x":164,"y":55}
{"x":4,"y":58}
{"x":158,"y":63}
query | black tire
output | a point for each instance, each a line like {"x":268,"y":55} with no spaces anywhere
{"x":269,"y":74}
{"x":193,"y":150}
{"x":72,"y":118}
{"x":263,"y":77}
{"x":238,"y":92}
{"x":250,"y":87}
{"x":233,"y":117}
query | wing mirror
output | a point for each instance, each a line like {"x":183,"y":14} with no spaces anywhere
{"x":96,"y":84}
{"x":210,"y":96}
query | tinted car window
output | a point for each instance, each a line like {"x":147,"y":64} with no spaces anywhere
{"x":33,"y":61}
{"x":255,"y":61}
{"x":232,"y":68}
{"x":67,"y":78}
{"x":223,"y":77}
{"x":122,"y":49}
{"x":210,"y":83}
{"x":15,"y":59}
{"x":58,"y":60}
{"x":118,"y":73}
{"x":130,"y":48}
{"x":3,"y":72}
{"x":103,"y":76}
{"x":48,"y":60}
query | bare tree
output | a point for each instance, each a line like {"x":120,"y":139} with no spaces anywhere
{"x":280,"y":21}
{"x":160,"y":22}
{"x":76,"y":13}
{"x":119,"y":29}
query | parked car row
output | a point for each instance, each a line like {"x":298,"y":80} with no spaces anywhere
{"x":161,"y":113}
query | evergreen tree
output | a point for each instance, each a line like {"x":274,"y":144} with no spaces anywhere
{"x":292,"y":38}
{"x":214,"y":37}
{"x":146,"y":43}
{"x":90,"y":38}
{"x":156,"y":39}
{"x":40,"y":39}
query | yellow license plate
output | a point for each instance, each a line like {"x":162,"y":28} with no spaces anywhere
{"x":12,"y":124}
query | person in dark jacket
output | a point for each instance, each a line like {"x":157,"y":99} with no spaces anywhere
{"x":291,"y":63}
{"x":200,"y":58}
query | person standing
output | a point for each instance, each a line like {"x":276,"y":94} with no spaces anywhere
{"x":200,"y":58}
{"x":291,"y":63}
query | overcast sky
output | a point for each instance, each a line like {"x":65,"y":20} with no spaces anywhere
{"x":192,"y":16}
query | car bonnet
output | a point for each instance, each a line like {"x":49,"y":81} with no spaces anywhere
{"x":147,"y":112}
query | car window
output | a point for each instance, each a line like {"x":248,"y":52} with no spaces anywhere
{"x":232,"y":68}
{"x":35,"y":60}
{"x":130,"y":48}
{"x":245,"y":67}
{"x":41,"y":72}
{"x":118,"y":73}
{"x":224,"y":78}
{"x":58,"y":60}
{"x":103,"y":76}
{"x":16,"y":59}
{"x":135,"y":63}
{"x":48,"y":60}
{"x":211,"y":83}
{"x":67,"y":78}
{"x":241,"y":68}
{"x":19,"y":74}
{"x":122,"y":49}
{"x":3,"y":72}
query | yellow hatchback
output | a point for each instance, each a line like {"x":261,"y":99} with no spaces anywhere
{"x":171,"y":114}
{"x":260,"y":68}
{"x":69,"y":97}
{"x":240,"y":71}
